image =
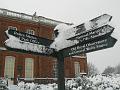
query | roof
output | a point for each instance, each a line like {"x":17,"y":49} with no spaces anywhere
{"x":33,"y":18}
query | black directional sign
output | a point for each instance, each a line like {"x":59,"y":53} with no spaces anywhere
{"x":80,"y":31}
{"x":94,"y":23}
{"x":29,"y":38}
{"x":26,"y":43}
{"x":89,"y":47}
{"x":91,"y":24}
{"x":92,"y":34}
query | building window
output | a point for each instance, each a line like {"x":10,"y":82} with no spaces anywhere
{"x":29,"y":68}
{"x":32,"y":32}
{"x":77,"y":68}
{"x":9,"y":66}
{"x":11,"y":27}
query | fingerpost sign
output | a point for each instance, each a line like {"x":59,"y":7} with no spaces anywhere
{"x":91,"y":37}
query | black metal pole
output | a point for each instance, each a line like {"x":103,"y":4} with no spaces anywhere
{"x":60,"y":68}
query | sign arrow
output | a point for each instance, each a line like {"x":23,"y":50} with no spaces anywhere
{"x":73,"y":31}
{"x":26,"y":43}
{"x":89,"y":47}
{"x":29,"y":38}
{"x":92,"y":24}
{"x":92,"y":34}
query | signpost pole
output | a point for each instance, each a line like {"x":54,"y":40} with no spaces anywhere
{"x":60,"y":68}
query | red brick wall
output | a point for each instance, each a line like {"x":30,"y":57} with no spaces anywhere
{"x":69,"y":66}
{"x":43,"y":66}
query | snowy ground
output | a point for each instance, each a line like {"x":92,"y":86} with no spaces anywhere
{"x":97,"y":82}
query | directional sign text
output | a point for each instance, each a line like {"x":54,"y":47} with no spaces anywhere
{"x":93,"y":34}
{"x":89,"y":47}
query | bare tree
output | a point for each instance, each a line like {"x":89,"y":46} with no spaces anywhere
{"x":117,"y":69}
{"x":109,"y":70}
{"x":92,"y":70}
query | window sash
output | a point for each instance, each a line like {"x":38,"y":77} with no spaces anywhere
{"x":9,"y":66}
{"x":29,"y":68}
{"x":77,"y":68}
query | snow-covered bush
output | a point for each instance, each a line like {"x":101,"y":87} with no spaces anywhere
{"x":28,"y":86}
{"x":96,"y":82}
{"x":80,"y":83}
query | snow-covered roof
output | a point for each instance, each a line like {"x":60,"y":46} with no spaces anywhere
{"x":33,"y":18}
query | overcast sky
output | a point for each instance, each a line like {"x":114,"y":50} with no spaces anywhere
{"x":76,"y":11}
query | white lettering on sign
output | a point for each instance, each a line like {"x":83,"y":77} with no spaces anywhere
{"x":25,"y":37}
{"x":88,"y":47}
{"x":91,"y":34}
{"x":14,"y":42}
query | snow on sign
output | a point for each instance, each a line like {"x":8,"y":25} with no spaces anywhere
{"x":26,"y":43}
{"x":91,"y":24}
{"x":89,"y":47}
{"x":92,"y":34}
{"x":66,"y":32}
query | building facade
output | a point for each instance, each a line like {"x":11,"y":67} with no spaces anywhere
{"x":25,"y":65}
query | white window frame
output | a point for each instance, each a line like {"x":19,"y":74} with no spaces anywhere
{"x":77,"y":68}
{"x":30,"y":31}
{"x":12,"y":27}
{"x":29,"y":67}
{"x":9,"y":66}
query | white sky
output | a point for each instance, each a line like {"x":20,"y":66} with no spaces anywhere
{"x":76,"y":11}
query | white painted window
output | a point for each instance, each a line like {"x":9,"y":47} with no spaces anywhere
{"x":29,"y":31}
{"x":77,"y":68}
{"x":9,"y":66}
{"x":12,"y":27}
{"x":29,"y":65}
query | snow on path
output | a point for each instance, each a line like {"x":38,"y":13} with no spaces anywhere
{"x":13,"y":87}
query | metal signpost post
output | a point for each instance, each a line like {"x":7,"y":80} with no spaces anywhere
{"x":60,"y":67}
{"x":96,"y":37}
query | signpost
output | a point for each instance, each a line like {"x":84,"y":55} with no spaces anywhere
{"x":91,"y":36}
{"x":26,"y":43}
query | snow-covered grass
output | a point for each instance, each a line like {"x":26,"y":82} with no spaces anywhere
{"x":97,"y":82}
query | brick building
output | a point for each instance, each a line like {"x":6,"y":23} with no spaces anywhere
{"x":13,"y":64}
